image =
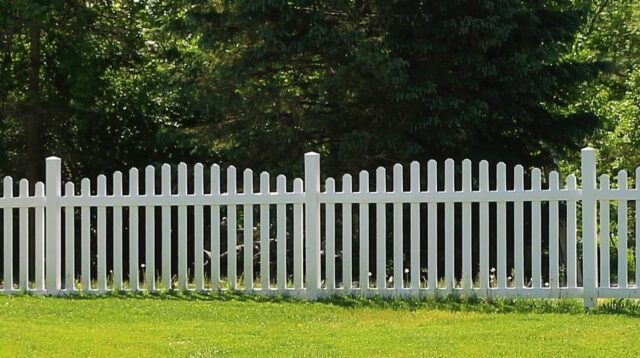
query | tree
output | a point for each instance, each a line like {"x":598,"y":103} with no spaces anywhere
{"x":376,"y":82}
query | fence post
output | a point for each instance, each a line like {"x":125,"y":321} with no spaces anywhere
{"x":312,"y":222}
{"x":53,"y":187}
{"x":589,"y":245}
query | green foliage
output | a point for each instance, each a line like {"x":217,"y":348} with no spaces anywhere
{"x":370,"y":83}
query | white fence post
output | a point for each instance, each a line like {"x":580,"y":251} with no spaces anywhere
{"x":589,"y":252}
{"x":312,"y":221}
{"x":52,"y":224}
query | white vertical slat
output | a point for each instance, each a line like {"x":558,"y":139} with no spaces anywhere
{"x":381,"y":232}
{"x":8,"y":236}
{"x":265,"y":226}
{"x":248,"y":231}
{"x":117,"y":234}
{"x":69,"y":240}
{"x":622,"y":232}
{"x":215,"y":228}
{"x":364,"y":232}
{"x":53,"y":225}
{"x":231,"y":229}
{"x":536,"y":231}
{"x":281,"y":235}
{"x":330,"y":247}
{"x":518,"y":228}
{"x":150,"y":268}
{"x":554,"y":257}
{"x":637,"y":230}
{"x":432,"y":227}
{"x":501,"y":226}
{"x":39,"y":249}
{"x":347,"y":232}
{"x":467,"y":280}
{"x":484,"y":226}
{"x":572,"y":260}
{"x":165,"y":187}
{"x":604,"y":235}
{"x":102,"y":235}
{"x":298,"y":239}
{"x":449,"y":253}
{"x":398,"y":221}
{"x":24,"y":238}
{"x":85,"y":236}
{"x":198,"y":228}
{"x":415,"y":227}
{"x":182,"y":228}
{"x":134,"y":273}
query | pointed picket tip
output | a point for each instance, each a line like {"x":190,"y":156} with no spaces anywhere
{"x":69,"y":188}
{"x":8,"y":180}
{"x":248,"y":171}
{"x":466,"y":162}
{"x":347,"y":177}
{"x":622,"y":173}
{"x":536,"y":172}
{"x":414,"y":163}
{"x":432,"y":163}
{"x":133,"y":171}
{"x":215,"y":167}
{"x":397,"y":166}
{"x":264,"y":175}
{"x":166,"y":166}
{"x":25,"y":181}
{"x":330,"y":185}
{"x":484,"y":163}
{"x":571,"y":181}
{"x":182,"y":166}
{"x":604,"y":178}
{"x":281,"y":177}
{"x":150,"y":168}
{"x":449,"y":161}
{"x":501,"y":165}
{"x":381,"y":170}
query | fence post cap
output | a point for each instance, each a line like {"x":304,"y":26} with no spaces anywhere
{"x":311,"y":154}
{"x":588,"y":149}
{"x":53,"y":158}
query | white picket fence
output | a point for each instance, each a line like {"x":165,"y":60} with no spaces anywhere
{"x":319,"y":243}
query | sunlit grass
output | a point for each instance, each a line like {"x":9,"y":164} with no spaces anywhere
{"x":180,"y":324}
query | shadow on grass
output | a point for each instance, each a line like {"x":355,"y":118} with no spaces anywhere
{"x":628,"y":307}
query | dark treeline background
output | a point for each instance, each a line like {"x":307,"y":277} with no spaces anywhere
{"x":106,"y":85}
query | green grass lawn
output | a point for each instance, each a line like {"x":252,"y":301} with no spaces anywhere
{"x":237,"y":325}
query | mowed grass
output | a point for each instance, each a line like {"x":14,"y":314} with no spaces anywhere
{"x":236,"y":325}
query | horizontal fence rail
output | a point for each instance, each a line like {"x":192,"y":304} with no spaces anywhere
{"x":456,"y":228}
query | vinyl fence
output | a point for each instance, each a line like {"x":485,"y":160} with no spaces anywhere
{"x":504,"y":238}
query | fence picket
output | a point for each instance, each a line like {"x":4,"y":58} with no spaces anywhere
{"x":85,"y":238}
{"x":330,"y":243}
{"x":39,"y":249}
{"x":398,"y":221}
{"x":165,"y":177}
{"x":414,"y":247}
{"x":604,"y":235}
{"x":117,"y":234}
{"x":432,"y":227}
{"x":183,"y":278}
{"x":8,"y":236}
{"x":554,"y":257}
{"x":298,"y":239}
{"x":501,"y":225}
{"x":265,"y":280}
{"x":247,"y":232}
{"x":484,"y":227}
{"x":215,"y":228}
{"x":231,"y":229}
{"x":364,"y":232}
{"x":347,"y":236}
{"x":134,"y":273}
{"x":518,"y":228}
{"x":102,"y":236}
{"x":381,"y":232}
{"x":198,"y":229}
{"x":149,"y":218}
{"x":467,"y":281}
{"x":622,"y":232}
{"x":281,"y":235}
{"x":449,"y":187}
{"x":24,"y":238}
{"x":536,"y":231}
{"x":572,"y":259}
